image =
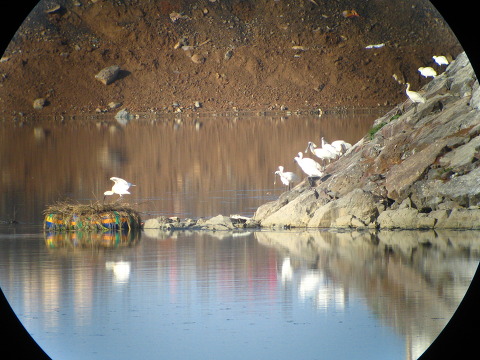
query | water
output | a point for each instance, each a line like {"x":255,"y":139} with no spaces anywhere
{"x":236,"y":296}
{"x":246,"y":295}
{"x":225,"y":166}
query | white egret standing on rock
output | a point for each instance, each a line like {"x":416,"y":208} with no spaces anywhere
{"x":286,"y":177}
{"x":329,"y":147}
{"x":414,"y":96}
{"x":120,"y":187}
{"x":309,"y":167}
{"x":321,"y":153}
{"x":427,"y":71}
{"x":440,"y":60}
{"x":341,"y":146}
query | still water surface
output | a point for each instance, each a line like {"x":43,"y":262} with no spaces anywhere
{"x":211,"y":295}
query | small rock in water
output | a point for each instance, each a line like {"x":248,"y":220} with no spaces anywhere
{"x":40,"y":103}
{"x":197,"y":104}
{"x":108,"y":75}
{"x":123,"y":116}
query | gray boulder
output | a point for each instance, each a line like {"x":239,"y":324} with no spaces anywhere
{"x":358,"y":208}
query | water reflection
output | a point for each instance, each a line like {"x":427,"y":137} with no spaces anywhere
{"x":223,"y":167}
{"x":187,"y":293}
{"x":121,"y":270}
{"x":90,"y":239}
{"x":412,"y":281}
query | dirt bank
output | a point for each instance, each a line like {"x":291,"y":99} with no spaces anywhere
{"x":255,"y":55}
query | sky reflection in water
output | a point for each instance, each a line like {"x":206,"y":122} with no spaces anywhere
{"x":219,"y":295}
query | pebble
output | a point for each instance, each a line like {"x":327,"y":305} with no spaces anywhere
{"x":54,"y":9}
{"x":228,"y":55}
{"x":114,"y":105}
{"x":39,"y":103}
{"x":198,"y":59}
{"x":108,"y":75}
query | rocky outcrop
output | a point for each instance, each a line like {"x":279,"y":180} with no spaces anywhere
{"x":417,"y":168}
{"x":216,"y":223}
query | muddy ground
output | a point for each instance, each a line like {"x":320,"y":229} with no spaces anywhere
{"x":225,"y":54}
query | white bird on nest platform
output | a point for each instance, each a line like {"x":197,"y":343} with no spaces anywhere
{"x":414,"y":96}
{"x":120,"y":187}
{"x":427,"y":71}
{"x":440,"y":60}
{"x":286,"y":177}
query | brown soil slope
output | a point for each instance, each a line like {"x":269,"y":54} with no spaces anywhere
{"x":243,"y":54}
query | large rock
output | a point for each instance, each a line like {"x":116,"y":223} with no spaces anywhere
{"x":219,"y":222}
{"x":294,"y":213}
{"x":358,"y":208}
{"x":407,"y":218}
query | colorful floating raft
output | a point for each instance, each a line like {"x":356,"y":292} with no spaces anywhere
{"x":94,"y":217}
{"x":107,"y":221}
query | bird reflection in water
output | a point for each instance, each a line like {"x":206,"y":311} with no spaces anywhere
{"x":121,"y":270}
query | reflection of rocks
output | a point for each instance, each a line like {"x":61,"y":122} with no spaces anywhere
{"x":414,"y":280}
{"x":418,"y":169}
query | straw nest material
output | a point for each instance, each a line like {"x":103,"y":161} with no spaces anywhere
{"x":95,"y":216}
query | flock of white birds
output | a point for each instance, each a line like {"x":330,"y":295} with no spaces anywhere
{"x":414,"y":96}
{"x":327,"y":153}
{"x":312,"y":168}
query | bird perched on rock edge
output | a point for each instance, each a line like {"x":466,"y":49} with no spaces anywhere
{"x":427,"y":71}
{"x":440,"y":60}
{"x":286,"y":177}
{"x":414,"y":96}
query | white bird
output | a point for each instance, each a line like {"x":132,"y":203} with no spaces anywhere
{"x":440,"y":60}
{"x":329,"y":147}
{"x":308,"y":166}
{"x":341,"y":146}
{"x":120,"y":187}
{"x":286,"y":177}
{"x":414,"y":96}
{"x":427,"y":71}
{"x":321,"y":153}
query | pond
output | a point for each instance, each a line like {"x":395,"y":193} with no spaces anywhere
{"x":230,"y":295}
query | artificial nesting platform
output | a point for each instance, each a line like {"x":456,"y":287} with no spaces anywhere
{"x":90,"y":217}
